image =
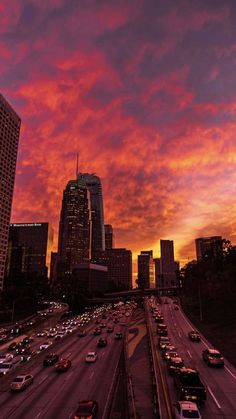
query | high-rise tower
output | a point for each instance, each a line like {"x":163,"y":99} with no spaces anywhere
{"x":94,"y":186}
{"x":9,"y":138}
{"x":74,"y":242}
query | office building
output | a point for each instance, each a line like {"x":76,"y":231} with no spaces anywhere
{"x":93,"y":183}
{"x":157,"y":263}
{"x":109,"y":238}
{"x":9,"y":138}
{"x":53,"y":267}
{"x":211,"y":246}
{"x":119,"y":264}
{"x":29,"y":248}
{"x":167,"y":265}
{"x":74,"y":241}
{"x":146,"y":268}
{"x":92,"y":278}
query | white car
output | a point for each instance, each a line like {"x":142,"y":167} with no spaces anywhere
{"x":185,"y":410}
{"x":5,"y":358}
{"x":45,"y":345}
{"x":5,"y":367}
{"x":21,"y":382}
{"x":91,"y":357}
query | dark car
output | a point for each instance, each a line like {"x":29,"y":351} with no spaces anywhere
{"x":23,"y":349}
{"x":50,"y":360}
{"x":27,"y":357}
{"x":176,"y":308}
{"x":82,"y":333}
{"x":110,"y":329}
{"x":194,"y":336}
{"x":213,"y":358}
{"x":12,"y":346}
{"x":86,"y":409}
{"x":174,"y":363}
{"x":189,"y":385}
{"x":162,"y":330}
{"x":168,"y":350}
{"x":159,"y":319}
{"x":102,"y":342}
{"x":97,"y":331}
{"x":63,"y":365}
{"x":27,"y":339}
{"x":163,"y":341}
{"x":118,"y":335}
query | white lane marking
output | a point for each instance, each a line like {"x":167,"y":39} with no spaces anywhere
{"x":179,"y":334}
{"x":230,"y":372}
{"x":214,"y":398}
{"x":175,"y":324}
{"x":69,"y":353}
{"x":91,"y":375}
{"x":68,"y":376}
{"x":189,"y":353}
{"x":36,"y":417}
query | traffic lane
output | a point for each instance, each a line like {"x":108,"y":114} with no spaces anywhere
{"x":91,"y":381}
{"x":32,"y":401}
{"x":44,"y":377}
{"x":220,"y":384}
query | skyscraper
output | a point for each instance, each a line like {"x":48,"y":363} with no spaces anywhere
{"x":168,"y":276}
{"x":119,"y":263}
{"x":109,"y":238}
{"x":29,"y":248}
{"x":146,"y":268}
{"x":94,"y":186}
{"x":74,"y":242}
{"x":208,"y":245}
{"x":9,"y":138}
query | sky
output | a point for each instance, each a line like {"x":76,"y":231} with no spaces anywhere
{"x":145,"y":92}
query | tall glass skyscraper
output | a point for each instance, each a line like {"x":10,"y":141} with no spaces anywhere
{"x":74,"y":242}
{"x":9,"y":138}
{"x":94,"y":186}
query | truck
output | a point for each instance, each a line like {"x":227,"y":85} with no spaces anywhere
{"x":189,"y":385}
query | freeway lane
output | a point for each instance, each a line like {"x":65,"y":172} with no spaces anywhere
{"x":55,"y":395}
{"x":220,"y":383}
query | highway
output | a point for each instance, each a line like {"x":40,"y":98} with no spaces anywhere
{"x":219,"y":382}
{"x":55,"y":395}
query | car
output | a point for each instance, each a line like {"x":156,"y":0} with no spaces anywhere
{"x":213,"y":358}
{"x":163,"y":341}
{"x":5,"y":367}
{"x":103,"y":325}
{"x":45,"y":345}
{"x":118,"y":335}
{"x":194,"y":336}
{"x":59,"y":335}
{"x":5,"y":357}
{"x":12,"y":346}
{"x":63,"y":365}
{"x":86,"y":409}
{"x":3,"y":338}
{"x":22,"y":349}
{"x":176,"y":308}
{"x":97,"y":321}
{"x":97,"y":331}
{"x":27,"y":357}
{"x":82,"y":333}
{"x":91,"y":357}
{"x":170,"y":349}
{"x":27,"y":339}
{"x":41,"y":334}
{"x":102,"y":342}
{"x":50,"y":359}
{"x":110,"y":329}
{"x":159,"y":319}
{"x":21,"y":382}
{"x":174,"y":363}
{"x":162,"y":330}
{"x":185,"y":409}
{"x":189,"y":386}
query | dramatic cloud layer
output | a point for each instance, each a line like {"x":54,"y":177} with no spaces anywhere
{"x":145,"y":91}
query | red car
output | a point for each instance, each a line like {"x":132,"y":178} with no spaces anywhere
{"x":86,"y":409}
{"x":63,"y":365}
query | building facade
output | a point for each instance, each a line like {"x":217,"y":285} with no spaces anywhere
{"x":9,"y":139}
{"x":109,"y":238}
{"x":92,"y":278}
{"x":93,"y":183}
{"x":210,"y":246}
{"x":119,"y":264}
{"x":146,"y":268}
{"x":74,"y":241}
{"x":29,"y":248}
{"x":167,"y":265}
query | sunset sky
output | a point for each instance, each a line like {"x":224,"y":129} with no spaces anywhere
{"x":145,"y":92}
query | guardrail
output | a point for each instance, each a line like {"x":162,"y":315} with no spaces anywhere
{"x":131,"y":403}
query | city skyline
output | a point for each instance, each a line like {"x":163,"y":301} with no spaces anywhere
{"x":145,"y":93}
